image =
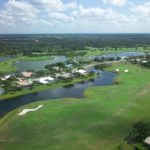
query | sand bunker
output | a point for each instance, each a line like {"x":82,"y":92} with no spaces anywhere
{"x":117,"y":70}
{"x":126,"y":71}
{"x":25,"y":111}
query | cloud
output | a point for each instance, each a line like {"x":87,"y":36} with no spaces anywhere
{"x":115,"y":2}
{"x":99,"y":15}
{"x":60,"y":17}
{"x":52,"y":5}
{"x":48,"y":5}
{"x":16,"y":12}
{"x":57,"y":16}
{"x":142,"y":10}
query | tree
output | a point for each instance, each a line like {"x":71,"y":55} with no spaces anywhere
{"x":139,"y":132}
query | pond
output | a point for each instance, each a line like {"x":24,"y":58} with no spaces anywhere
{"x":38,"y":65}
{"x":123,"y":54}
{"x":115,"y":55}
{"x":72,"y":91}
{"x":7,"y":57}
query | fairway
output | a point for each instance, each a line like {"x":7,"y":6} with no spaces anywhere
{"x":100,"y":121}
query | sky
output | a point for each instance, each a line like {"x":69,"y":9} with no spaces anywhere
{"x":74,"y":16}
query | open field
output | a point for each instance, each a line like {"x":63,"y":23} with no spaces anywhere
{"x":100,"y":121}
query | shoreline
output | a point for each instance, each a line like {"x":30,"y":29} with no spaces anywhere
{"x":41,"y":88}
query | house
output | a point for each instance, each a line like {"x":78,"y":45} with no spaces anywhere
{"x":6,"y":77}
{"x":124,"y":57}
{"x":138,"y":60}
{"x":45,"y":80}
{"x":26,"y":74}
{"x":65,"y":75}
{"x":144,"y":62}
{"x":56,"y":68}
{"x":24,"y":83}
{"x":81,"y":71}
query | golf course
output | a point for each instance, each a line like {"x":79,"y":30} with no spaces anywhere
{"x":99,"y":121}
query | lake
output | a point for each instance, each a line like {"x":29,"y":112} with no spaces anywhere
{"x":115,"y":55}
{"x":38,"y":65}
{"x":5,"y":58}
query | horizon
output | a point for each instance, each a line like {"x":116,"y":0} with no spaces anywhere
{"x":90,"y":33}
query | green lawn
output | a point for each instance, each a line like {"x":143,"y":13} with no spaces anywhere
{"x":100,"y":121}
{"x":7,"y":66}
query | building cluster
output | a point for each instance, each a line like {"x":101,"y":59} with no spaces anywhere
{"x":28,"y":78}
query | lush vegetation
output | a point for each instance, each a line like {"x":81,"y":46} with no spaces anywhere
{"x":63,"y":44}
{"x":101,"y":120}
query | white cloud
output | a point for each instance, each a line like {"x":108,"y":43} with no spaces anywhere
{"x":48,"y":5}
{"x":52,"y":5}
{"x":60,"y":17}
{"x":72,"y":5}
{"x":142,"y":10}
{"x":99,"y":15}
{"x":57,"y":16}
{"x":115,"y":2}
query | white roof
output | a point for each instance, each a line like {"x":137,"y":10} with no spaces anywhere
{"x":138,"y":59}
{"x":123,"y":57}
{"x":144,"y":61}
{"x":81,"y":71}
{"x":6,"y":77}
{"x":45,"y":80}
{"x":147,"y":140}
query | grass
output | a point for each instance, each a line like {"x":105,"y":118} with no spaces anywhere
{"x":100,"y":121}
{"x":7,"y":66}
